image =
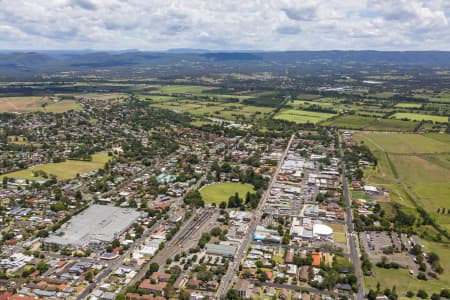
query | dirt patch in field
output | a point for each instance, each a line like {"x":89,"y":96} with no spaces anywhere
{"x":7,"y":105}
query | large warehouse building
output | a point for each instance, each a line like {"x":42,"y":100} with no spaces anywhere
{"x":93,"y":227}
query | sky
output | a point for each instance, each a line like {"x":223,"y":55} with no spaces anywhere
{"x":225,"y":24}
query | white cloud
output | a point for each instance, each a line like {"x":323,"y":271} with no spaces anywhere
{"x":228,"y":24}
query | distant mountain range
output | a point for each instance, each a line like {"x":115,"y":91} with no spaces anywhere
{"x":18,"y":62}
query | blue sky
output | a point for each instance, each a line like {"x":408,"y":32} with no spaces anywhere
{"x":225,"y":24}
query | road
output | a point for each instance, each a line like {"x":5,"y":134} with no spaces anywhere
{"x":227,"y":279}
{"x":350,"y":227}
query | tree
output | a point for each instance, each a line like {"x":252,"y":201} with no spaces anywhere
{"x":204,"y":275}
{"x":120,"y":297}
{"x":422,"y":294}
{"x":184,"y":295}
{"x":88,"y":276}
{"x":320,"y":197}
{"x":154,"y":267}
{"x":216,"y":231}
{"x":372,"y":295}
{"x":115,"y":243}
{"x":421,"y":276}
{"x":223,"y":205}
{"x":435,"y":296}
{"x":445,"y":293}
{"x":359,"y":174}
{"x":42,"y":233}
{"x":42,"y":267}
{"x":194,"y":198}
{"x":5,"y":182}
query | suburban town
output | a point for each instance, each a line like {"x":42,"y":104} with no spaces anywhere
{"x":224,"y":150}
{"x":148,"y":228}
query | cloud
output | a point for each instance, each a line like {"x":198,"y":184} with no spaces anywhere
{"x":85,"y":4}
{"x":301,"y":13}
{"x":228,"y":24}
{"x":289,"y":29}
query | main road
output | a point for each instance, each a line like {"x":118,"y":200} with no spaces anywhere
{"x":350,"y":227}
{"x":227,"y":279}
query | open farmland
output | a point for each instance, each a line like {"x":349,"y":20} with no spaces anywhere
{"x":21,"y":104}
{"x":227,"y":111}
{"x":104,"y":96}
{"x":156,"y":98}
{"x":62,"y":106}
{"x":63,"y":170}
{"x":302,"y":116}
{"x":181,"y":89}
{"x":369,"y":123}
{"x":408,"y":105}
{"x":420,"y":117}
{"x":33,"y":104}
{"x":216,"y":193}
{"x":406,"y":143}
{"x":443,"y":97}
{"x":417,"y":180}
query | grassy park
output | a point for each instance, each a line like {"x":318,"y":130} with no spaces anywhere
{"x":339,"y":235}
{"x":216,"y":193}
{"x":63,"y":170}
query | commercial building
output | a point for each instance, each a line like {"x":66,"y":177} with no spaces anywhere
{"x":268,"y":235}
{"x":309,"y":229}
{"x":221,"y":249}
{"x":93,"y":227}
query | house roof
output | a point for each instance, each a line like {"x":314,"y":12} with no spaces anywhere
{"x":160,"y":276}
{"x":316,"y":259}
{"x":146,"y":284}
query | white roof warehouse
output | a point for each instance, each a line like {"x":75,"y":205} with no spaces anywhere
{"x":95,"y":225}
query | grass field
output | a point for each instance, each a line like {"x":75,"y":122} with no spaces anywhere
{"x":406,"y":143}
{"x":408,"y":105}
{"x":21,"y":104}
{"x":420,"y":117}
{"x":440,"y":97}
{"x":302,"y":116}
{"x":103,"y":96}
{"x":156,"y":98}
{"x":64,"y":170}
{"x":181,"y":89}
{"x":368,"y":123}
{"x":405,"y":282}
{"x":228,"y":111}
{"x":62,"y":106}
{"x":216,"y":193}
{"x":20,"y":140}
{"x":412,"y":180}
{"x":33,"y":104}
{"x":338,"y":233}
